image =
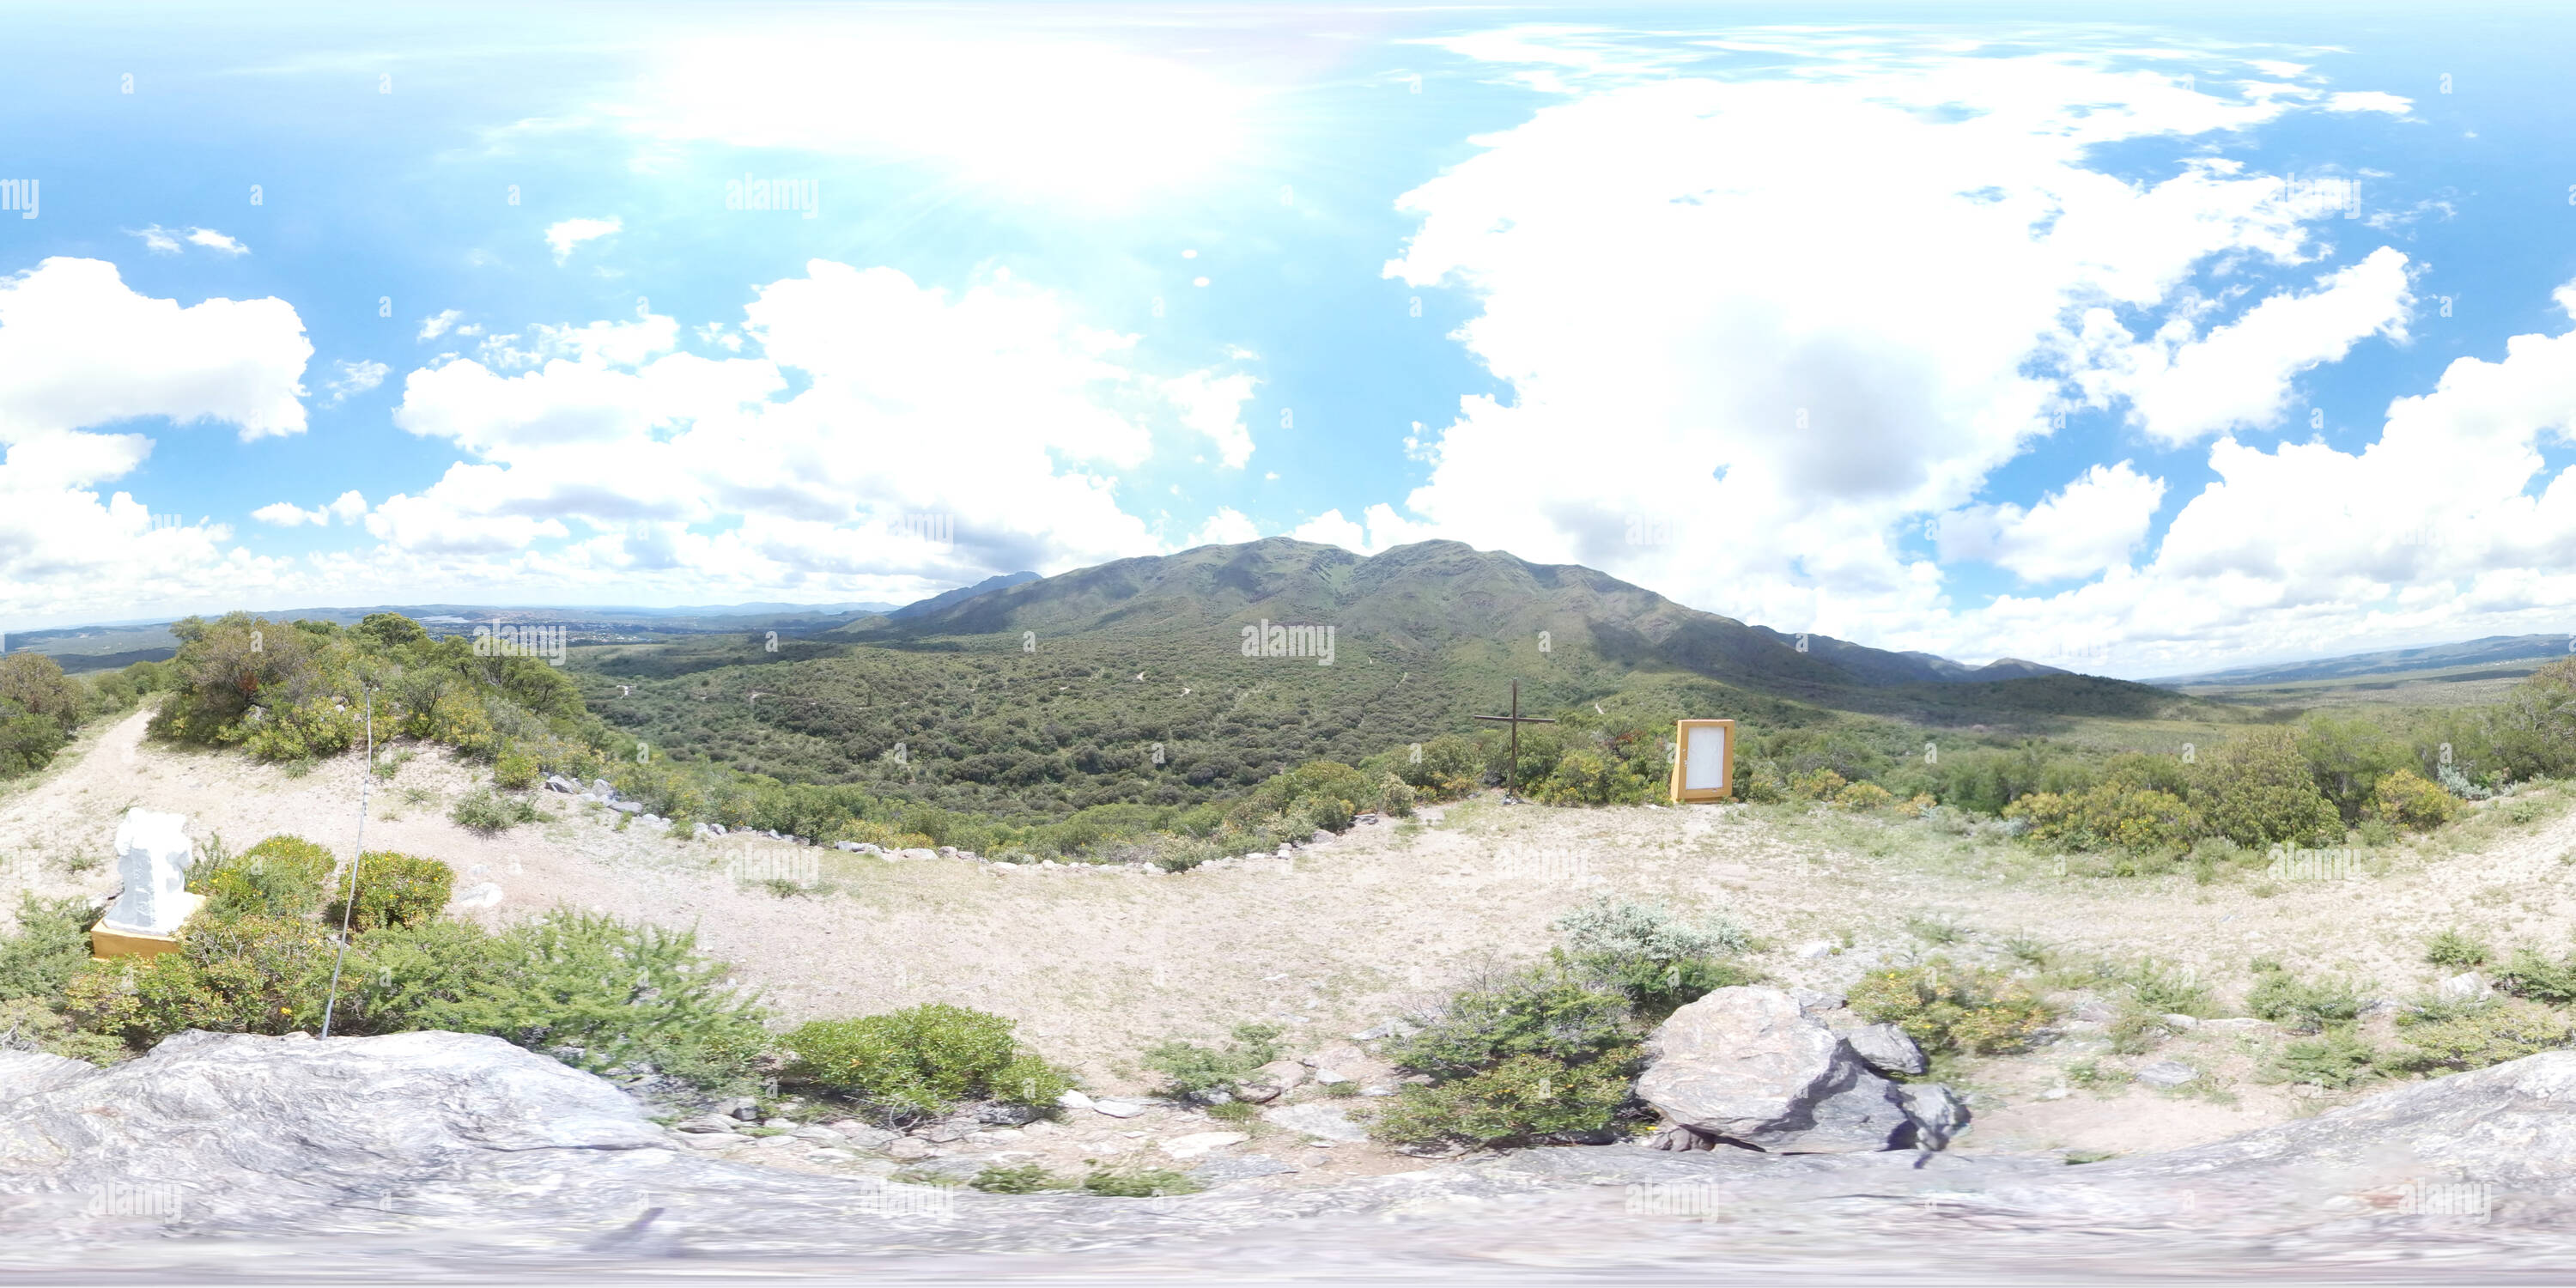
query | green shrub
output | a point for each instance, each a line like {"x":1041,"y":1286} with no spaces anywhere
{"x":924,"y":1060}
{"x":515,"y":771}
{"x":2405,"y":799}
{"x":1553,"y":1009}
{"x":27,"y":1024}
{"x":2455,"y":948}
{"x":618,"y":992}
{"x":2528,"y":974}
{"x":1646,"y":930}
{"x":51,"y":946}
{"x":1864,"y":796}
{"x":2166,"y":991}
{"x":1029,"y":1178}
{"x":2109,"y":816}
{"x":246,"y":974}
{"x":1817,"y":785}
{"x":1522,"y":1099}
{"x":1134,"y":1181}
{"x":488,"y":812}
{"x":2477,"y":1036}
{"x":1936,"y":930}
{"x":2259,"y":791}
{"x":283,"y":876}
{"x":2304,"y":1007}
{"x":1189,"y":1069}
{"x":2336,"y":1059}
{"x":1587,"y":777}
{"x":1951,"y":1008}
{"x":393,"y":890}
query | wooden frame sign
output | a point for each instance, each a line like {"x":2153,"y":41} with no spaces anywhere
{"x":1703,"y":761}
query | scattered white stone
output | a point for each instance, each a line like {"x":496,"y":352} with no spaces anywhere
{"x":1192,"y":1146}
{"x":1319,"y":1119}
{"x":1816,"y":948}
{"x":481,"y":896}
{"x":1117,"y":1108}
{"x":1073,"y":1100}
{"x":2467,"y":986}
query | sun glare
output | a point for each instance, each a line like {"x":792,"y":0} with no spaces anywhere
{"x":1074,"y":120}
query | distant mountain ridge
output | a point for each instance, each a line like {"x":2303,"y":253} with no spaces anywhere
{"x":1428,"y":597}
{"x":2427,"y":657}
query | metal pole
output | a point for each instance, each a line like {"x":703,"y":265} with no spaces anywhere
{"x":349,"y":906}
{"x":1516,"y":740}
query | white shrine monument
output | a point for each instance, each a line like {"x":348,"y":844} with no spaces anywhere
{"x":152,"y":855}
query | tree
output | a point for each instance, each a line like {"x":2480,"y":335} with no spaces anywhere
{"x":2259,"y":790}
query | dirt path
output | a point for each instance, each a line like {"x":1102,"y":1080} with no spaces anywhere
{"x":1095,"y":964}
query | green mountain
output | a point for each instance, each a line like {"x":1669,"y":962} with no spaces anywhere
{"x":1167,"y":679}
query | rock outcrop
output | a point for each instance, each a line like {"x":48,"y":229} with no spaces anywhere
{"x":1748,"y":1066}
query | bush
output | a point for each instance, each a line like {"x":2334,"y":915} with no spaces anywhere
{"x":1189,"y":1069}
{"x":1587,"y":777}
{"x":515,"y":771}
{"x":2455,"y":948}
{"x":51,"y":946}
{"x":2110,"y":816}
{"x":2406,"y":800}
{"x":1552,"y":1009}
{"x":2337,"y":1059}
{"x":2528,"y":974}
{"x":2479,"y":1036}
{"x":1951,"y":1008}
{"x":1522,"y":1099}
{"x":924,"y":1060}
{"x":1632,"y":929}
{"x":283,"y":876}
{"x":249,"y":974}
{"x":1816,"y":785}
{"x":489,"y":812}
{"x":1131,"y":1181}
{"x":394,"y":890}
{"x":27,"y":1024}
{"x":2259,"y":791}
{"x":616,"y":992}
{"x":1864,"y":796}
{"x":2168,"y":992}
{"x":2303,"y":1007}
{"x":1030,"y":1178}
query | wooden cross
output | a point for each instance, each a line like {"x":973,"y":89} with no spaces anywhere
{"x":1516,"y":720}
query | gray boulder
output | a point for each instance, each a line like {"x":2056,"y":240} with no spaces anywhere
{"x":1888,"y":1049}
{"x":1748,"y":1066}
{"x":1936,"y":1111}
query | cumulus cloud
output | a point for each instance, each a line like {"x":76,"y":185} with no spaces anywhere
{"x":1756,"y":331}
{"x":1212,"y":405}
{"x":79,"y":349}
{"x":563,"y":237}
{"x":2181,"y":388}
{"x":349,"y":507}
{"x":931,"y":437}
{"x":2086,"y":529}
{"x":1226,"y":527}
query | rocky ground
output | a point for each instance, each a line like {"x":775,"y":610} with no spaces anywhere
{"x":443,"y":1156}
{"x":1332,"y":940}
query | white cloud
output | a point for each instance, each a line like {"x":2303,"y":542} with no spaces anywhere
{"x":991,"y":417}
{"x":165,"y":241}
{"x":79,"y":349}
{"x":1757,"y":330}
{"x":2369,"y":101}
{"x":2088,"y":528}
{"x":447,"y":321}
{"x":2183,"y":388}
{"x":1331,"y":529}
{"x":349,"y":507}
{"x":1226,"y":527}
{"x":355,"y":378}
{"x":1384,"y":528}
{"x":216,"y":242}
{"x":1212,"y":405}
{"x":563,"y":237}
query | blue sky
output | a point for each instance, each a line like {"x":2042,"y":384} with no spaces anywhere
{"x":2132,"y":344}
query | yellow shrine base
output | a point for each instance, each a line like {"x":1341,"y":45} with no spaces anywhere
{"x":106,"y":942}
